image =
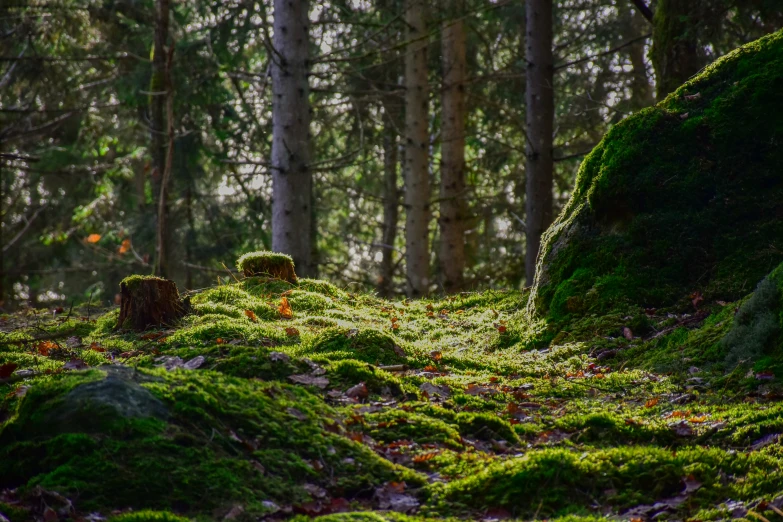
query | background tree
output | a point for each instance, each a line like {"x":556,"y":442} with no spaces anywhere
{"x":452,"y":159}
{"x":417,"y":183}
{"x":540,"y":115}
{"x":292,"y":215}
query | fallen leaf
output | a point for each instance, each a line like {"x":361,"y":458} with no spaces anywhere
{"x":627,"y":333}
{"x":765,"y":376}
{"x":650,"y":403}
{"x":194,"y":363}
{"x":696,"y":298}
{"x":358,"y":392}
{"x":285,"y":309}
{"x":45,"y":346}
{"x":424,"y":457}
{"x":431,"y":390}
{"x":93,"y":238}
{"x":502,"y":328}
{"x":698,"y":420}
{"x":436,"y":355}
{"x":691,"y":485}
{"x":279,"y":357}
{"x":251,"y":315}
{"x":75,"y":364}
{"x":7,"y":369}
{"x":291,"y":332}
{"x":310,"y":380}
{"x":97,"y":347}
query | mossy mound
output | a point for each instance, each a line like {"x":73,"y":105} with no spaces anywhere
{"x":191,"y":442}
{"x":267,"y":264}
{"x":682,"y":199}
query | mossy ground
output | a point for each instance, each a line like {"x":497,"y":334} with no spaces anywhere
{"x":618,"y":396}
{"x":456,"y":406}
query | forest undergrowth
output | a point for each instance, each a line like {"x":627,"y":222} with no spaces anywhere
{"x":278,"y":400}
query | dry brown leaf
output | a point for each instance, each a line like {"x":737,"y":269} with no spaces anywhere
{"x":285,"y":309}
{"x":650,"y":403}
{"x":291,"y":332}
{"x":251,"y":315}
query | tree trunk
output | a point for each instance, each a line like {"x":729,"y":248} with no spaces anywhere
{"x":417,"y":183}
{"x":676,"y":54}
{"x":158,"y":134}
{"x":452,"y":164}
{"x":149,"y":302}
{"x":391,"y":201}
{"x":291,"y":177}
{"x":162,"y":260}
{"x":540,"y":115}
{"x":636,"y":25}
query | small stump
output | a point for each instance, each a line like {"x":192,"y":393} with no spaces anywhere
{"x":267,"y":264}
{"x":149,"y":301}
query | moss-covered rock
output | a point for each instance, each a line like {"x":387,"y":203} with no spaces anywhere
{"x":191,"y":442}
{"x":680,"y":198}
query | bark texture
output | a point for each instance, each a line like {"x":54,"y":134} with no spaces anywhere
{"x":158,"y":129}
{"x":642,"y":93}
{"x":149,"y":302}
{"x":162,"y":261}
{"x":292,"y":182}
{"x":452,"y":165}
{"x":417,"y":183}
{"x":540,"y":115}
{"x":391,"y":200}
{"x":676,"y":53}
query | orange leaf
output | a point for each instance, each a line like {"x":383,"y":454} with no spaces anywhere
{"x":651,"y":403}
{"x":291,"y":332}
{"x":425,"y":457}
{"x":93,"y":238}
{"x":220,"y":341}
{"x":436,"y":355}
{"x":125,"y":246}
{"x":698,"y":420}
{"x":97,"y":347}
{"x":430,"y":368}
{"x":45,"y":346}
{"x":502,"y":329}
{"x":251,"y":315}
{"x":285,"y":309}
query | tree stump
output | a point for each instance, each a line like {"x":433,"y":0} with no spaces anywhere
{"x":267,"y":264}
{"x":149,"y":302}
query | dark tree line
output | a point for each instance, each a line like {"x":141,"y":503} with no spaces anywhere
{"x":403,"y":145}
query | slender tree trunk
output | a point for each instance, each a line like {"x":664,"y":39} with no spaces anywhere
{"x":391,"y":202}
{"x":417,"y":183}
{"x":642,"y":94}
{"x":292,"y":183}
{"x":540,"y":115}
{"x":452,"y":165}
{"x":162,"y":261}
{"x":158,"y":134}
{"x":676,"y":54}
{"x":190,"y":237}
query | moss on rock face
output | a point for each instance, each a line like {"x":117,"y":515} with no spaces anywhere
{"x":268,"y":264}
{"x":682,"y":197}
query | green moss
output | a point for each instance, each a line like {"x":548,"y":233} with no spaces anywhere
{"x":189,"y":442}
{"x":270,"y":264}
{"x":557,"y":481}
{"x":486,"y":426}
{"x":369,"y":345}
{"x":677,"y":198}
{"x":133,"y":281}
{"x":148,"y":516}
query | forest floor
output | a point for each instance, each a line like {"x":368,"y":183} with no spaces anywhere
{"x":277,"y":401}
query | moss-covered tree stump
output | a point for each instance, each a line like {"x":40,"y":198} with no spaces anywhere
{"x":267,"y":264}
{"x":149,"y":302}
